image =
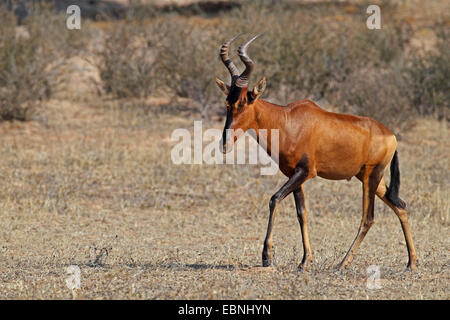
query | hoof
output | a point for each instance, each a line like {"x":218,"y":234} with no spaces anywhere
{"x":410,"y":268}
{"x":267,"y":262}
{"x":412,"y":265}
{"x":302,"y":268}
{"x":340,"y":267}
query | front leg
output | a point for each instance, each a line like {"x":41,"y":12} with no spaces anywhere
{"x":295,"y":181}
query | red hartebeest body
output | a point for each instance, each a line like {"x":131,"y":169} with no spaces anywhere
{"x":314,"y":142}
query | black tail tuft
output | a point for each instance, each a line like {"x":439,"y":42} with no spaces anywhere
{"x":394,"y":185}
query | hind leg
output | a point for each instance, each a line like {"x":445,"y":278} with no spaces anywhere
{"x":370,"y":179}
{"x":403,"y":217}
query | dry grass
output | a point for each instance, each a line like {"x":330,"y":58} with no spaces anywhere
{"x":94,"y":185}
{"x":99,"y":177}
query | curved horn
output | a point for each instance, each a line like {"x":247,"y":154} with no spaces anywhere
{"x":226,"y":60}
{"x":242,"y":81}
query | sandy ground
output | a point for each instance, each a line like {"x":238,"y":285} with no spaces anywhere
{"x":96,"y":188}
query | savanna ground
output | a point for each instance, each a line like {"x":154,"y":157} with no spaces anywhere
{"x":90,"y":182}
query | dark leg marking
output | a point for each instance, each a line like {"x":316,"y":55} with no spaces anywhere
{"x":295,"y":181}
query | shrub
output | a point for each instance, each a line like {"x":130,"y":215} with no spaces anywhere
{"x":428,"y":77}
{"x":379,"y":94}
{"x":188,"y":62}
{"x":127,"y":66}
{"x":318,"y":52}
{"x":309,"y":54}
{"x":27,"y":59}
{"x":23,"y":75}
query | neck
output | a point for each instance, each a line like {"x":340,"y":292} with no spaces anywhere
{"x":267,"y":117}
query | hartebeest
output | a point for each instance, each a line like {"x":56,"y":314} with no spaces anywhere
{"x":314,"y":142}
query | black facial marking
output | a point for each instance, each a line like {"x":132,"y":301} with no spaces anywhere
{"x":233,"y":95}
{"x":227,"y":125}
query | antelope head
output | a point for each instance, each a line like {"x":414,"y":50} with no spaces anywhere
{"x":240,"y":100}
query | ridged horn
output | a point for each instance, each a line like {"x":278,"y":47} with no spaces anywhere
{"x":243,"y":79}
{"x":226,"y":59}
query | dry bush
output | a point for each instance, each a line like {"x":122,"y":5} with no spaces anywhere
{"x":311,"y":54}
{"x":27,"y":59}
{"x":379,"y":94}
{"x":319,"y":52}
{"x":23,"y":76}
{"x":127,"y":65}
{"x":428,"y":76}
{"x":167,"y":56}
{"x":188,"y":62}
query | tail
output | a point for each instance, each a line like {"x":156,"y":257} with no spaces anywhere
{"x":394,"y":185}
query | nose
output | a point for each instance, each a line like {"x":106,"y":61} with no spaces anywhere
{"x":223,"y":147}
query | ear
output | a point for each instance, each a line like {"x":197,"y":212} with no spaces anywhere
{"x":259,"y":88}
{"x":222,"y":86}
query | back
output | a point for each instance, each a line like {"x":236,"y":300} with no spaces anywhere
{"x":337,"y":139}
